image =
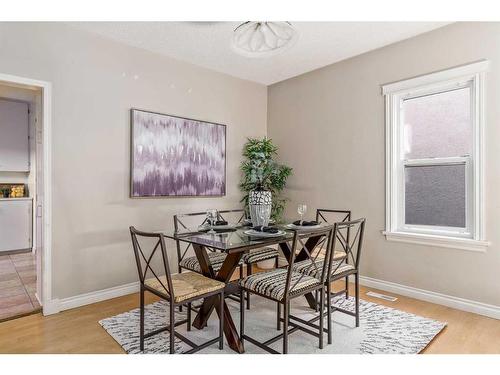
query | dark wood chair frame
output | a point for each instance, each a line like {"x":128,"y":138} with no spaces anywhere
{"x":344,"y":215}
{"x":321,"y":236}
{"x":170,"y":297}
{"x":178,"y":225}
{"x":352,"y":246}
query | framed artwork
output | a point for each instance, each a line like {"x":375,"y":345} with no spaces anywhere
{"x":173,"y":156}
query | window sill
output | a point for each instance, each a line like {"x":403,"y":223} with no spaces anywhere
{"x":439,"y":241}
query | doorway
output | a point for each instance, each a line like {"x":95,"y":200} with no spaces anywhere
{"x":25,"y":259}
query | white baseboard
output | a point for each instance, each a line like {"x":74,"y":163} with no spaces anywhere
{"x":491,"y":311}
{"x":51,"y":307}
{"x":57,"y":305}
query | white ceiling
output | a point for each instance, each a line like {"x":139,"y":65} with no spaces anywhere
{"x":208,"y":44}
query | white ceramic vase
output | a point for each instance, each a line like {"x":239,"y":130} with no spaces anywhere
{"x":260,"y":204}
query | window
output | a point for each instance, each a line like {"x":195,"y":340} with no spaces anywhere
{"x":434,"y":127}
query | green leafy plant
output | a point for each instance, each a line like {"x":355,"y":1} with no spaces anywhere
{"x":262,"y":172}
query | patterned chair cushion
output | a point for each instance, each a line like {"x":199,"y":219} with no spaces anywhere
{"x":258,"y":255}
{"x":186,"y":285}
{"x":306,"y":267}
{"x":216,"y":258}
{"x":191,"y":263}
{"x":272,"y":283}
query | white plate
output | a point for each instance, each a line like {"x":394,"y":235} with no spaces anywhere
{"x":293,"y":226}
{"x":248,"y":221}
{"x":228,"y":226}
{"x":256,"y":233}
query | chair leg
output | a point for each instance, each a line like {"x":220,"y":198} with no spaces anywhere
{"x":329,"y":310}
{"x":356,"y":286}
{"x":242,"y":315}
{"x":316,"y":298}
{"x":172,"y":327}
{"x":321,"y":317}
{"x":221,"y":321}
{"x":347,"y":287}
{"x":180,"y":270}
{"x":188,"y":316}
{"x":249,"y":272}
{"x":141,"y":324}
{"x":278,"y":310}
{"x":278,"y":317}
{"x":286,"y":315}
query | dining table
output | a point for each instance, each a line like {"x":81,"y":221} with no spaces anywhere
{"x":235,"y":242}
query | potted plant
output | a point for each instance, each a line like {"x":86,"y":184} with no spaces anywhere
{"x":263,"y":181}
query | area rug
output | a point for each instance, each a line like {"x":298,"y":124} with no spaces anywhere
{"x":382,"y":330}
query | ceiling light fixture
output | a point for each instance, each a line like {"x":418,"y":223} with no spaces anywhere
{"x":260,"y":39}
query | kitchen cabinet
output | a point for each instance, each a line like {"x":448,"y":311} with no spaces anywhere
{"x":15,"y":224}
{"x":14,"y":136}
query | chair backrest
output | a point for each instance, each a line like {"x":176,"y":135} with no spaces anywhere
{"x":334,"y":216}
{"x":350,"y":234}
{"x":145,"y":257}
{"x":309,"y":240}
{"x":189,"y":222}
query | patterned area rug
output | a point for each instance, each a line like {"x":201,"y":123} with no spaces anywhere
{"x":382,"y":330}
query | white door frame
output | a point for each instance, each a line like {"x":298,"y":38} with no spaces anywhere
{"x":48,"y":305}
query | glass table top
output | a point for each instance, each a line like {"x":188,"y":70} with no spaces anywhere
{"x":235,"y":239}
{"x":230,"y":240}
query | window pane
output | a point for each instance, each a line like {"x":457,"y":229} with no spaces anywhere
{"x":438,"y":125}
{"x":435,"y":195}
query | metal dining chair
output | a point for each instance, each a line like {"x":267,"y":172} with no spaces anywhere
{"x":332,"y":216}
{"x":191,"y":263}
{"x":190,"y":222}
{"x":350,"y":236}
{"x":284,"y":284}
{"x":179,"y":289}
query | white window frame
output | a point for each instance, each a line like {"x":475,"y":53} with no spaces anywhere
{"x":473,"y":236}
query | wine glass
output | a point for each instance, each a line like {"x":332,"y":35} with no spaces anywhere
{"x":301,"y":210}
{"x":212,"y":218}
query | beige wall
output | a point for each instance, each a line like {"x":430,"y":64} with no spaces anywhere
{"x":329,"y":125}
{"x":93,"y":90}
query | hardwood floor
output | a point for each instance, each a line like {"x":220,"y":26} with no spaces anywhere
{"x":77,"y":330}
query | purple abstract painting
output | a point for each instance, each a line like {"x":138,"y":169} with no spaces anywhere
{"x":174,"y":156}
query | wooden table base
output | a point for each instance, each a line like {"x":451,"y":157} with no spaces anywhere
{"x":211,"y":303}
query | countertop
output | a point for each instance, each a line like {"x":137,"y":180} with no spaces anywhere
{"x":17,"y":199}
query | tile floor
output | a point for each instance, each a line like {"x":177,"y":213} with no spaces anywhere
{"x":17,"y":285}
